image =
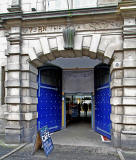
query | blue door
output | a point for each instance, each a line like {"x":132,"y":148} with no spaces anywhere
{"x":49,"y":98}
{"x":102,"y":100}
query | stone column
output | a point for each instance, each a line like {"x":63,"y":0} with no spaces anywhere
{"x":128,"y":134}
{"x":21,"y":97}
{"x":123,"y":86}
{"x":116,"y":97}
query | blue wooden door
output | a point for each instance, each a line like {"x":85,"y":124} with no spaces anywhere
{"x":49,"y":98}
{"x":102,"y":100}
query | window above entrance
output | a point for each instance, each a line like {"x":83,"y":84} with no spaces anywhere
{"x":28,"y":6}
{"x":69,"y":4}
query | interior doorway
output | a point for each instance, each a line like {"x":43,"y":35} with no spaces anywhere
{"x":79,"y":109}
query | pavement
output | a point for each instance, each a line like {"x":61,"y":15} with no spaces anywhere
{"x":59,"y":153}
{"x":76,"y":142}
{"x":63,"y":152}
{"x":5,"y":149}
{"x":129,"y":155}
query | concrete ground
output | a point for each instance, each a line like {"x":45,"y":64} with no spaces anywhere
{"x":79,"y":133}
{"x":4,"y":149}
{"x":76,"y":142}
{"x":129,"y":155}
{"x":60,"y":153}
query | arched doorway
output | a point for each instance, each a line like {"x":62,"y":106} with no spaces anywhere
{"x":50,"y":97}
{"x":39,"y":56}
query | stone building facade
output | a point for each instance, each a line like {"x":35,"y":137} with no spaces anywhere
{"x":31,"y":33}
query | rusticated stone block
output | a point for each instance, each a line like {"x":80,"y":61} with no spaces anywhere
{"x":116,"y":139}
{"x":130,"y":55}
{"x":128,"y":141}
{"x":117,"y":127}
{"x":129,"y":119}
{"x":129,"y":43}
{"x":30,"y":124}
{"x":116,"y":74}
{"x":118,"y":56}
{"x":116,"y":83}
{"x":129,"y":63}
{"x":116,"y":101}
{"x":129,"y":101}
{"x":129,"y":81}
{"x":14,"y":138}
{"x":130,"y":73}
{"x":14,"y":49}
{"x":129,"y":91}
{"x":130,"y":110}
{"x":117,"y":110}
{"x":129,"y":128}
{"x":116,"y":118}
{"x":117,"y":92}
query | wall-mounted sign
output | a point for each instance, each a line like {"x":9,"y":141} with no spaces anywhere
{"x":78,"y":27}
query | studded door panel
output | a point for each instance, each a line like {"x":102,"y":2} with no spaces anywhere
{"x":102,"y":102}
{"x":49,"y":106}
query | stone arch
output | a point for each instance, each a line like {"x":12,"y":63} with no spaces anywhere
{"x":39,"y":50}
{"x":99,"y":46}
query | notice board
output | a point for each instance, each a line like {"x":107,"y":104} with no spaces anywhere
{"x":43,"y":139}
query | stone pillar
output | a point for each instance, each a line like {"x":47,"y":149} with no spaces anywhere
{"x":128,"y":134}
{"x":123,"y":86}
{"x":21,"y":96}
{"x":116,"y":97}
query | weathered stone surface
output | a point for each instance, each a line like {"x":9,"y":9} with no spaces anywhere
{"x":129,"y":119}
{"x":129,"y":82}
{"x":129,"y":63}
{"x":107,"y":2}
{"x":117,"y":127}
{"x":116,"y":83}
{"x":116,"y":118}
{"x":116,"y":139}
{"x":78,"y":42}
{"x":20,"y":116}
{"x":13,"y":138}
{"x":129,"y":101}
{"x":129,"y":73}
{"x":128,"y":141}
{"x":130,"y":92}
{"x":129,"y":21}
{"x":118,"y":110}
{"x":129,"y":110}
{"x":129,"y":43}
{"x":117,"y":92}
{"x":95,"y":43}
{"x":117,"y":74}
{"x":14,"y":49}
{"x":129,"y":55}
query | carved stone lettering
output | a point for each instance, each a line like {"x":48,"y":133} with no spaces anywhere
{"x":78,"y":27}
